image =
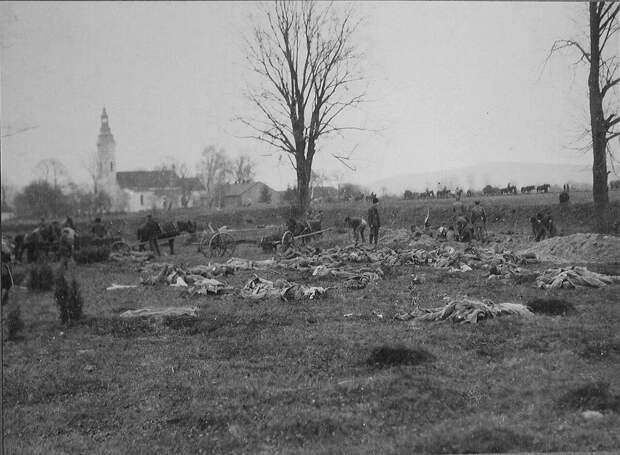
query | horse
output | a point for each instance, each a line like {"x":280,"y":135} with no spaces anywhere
{"x":427,"y":193}
{"x":297,"y":227}
{"x":33,"y":243}
{"x":371,"y":197}
{"x":153,"y":231}
{"x":544,"y":188}
{"x":527,"y":189}
{"x":510,"y":189}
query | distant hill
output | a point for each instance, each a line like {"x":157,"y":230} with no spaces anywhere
{"x":496,"y":174}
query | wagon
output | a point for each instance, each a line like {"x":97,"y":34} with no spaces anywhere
{"x":223,"y":241}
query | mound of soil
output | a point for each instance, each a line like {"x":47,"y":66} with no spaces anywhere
{"x":577,"y":248}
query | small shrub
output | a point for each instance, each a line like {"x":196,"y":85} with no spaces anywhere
{"x":41,"y":277}
{"x":92,"y":254}
{"x":386,"y":356}
{"x":68,"y":298}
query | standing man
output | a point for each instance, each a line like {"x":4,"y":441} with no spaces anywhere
{"x":373,"y":221}
{"x":479,"y":220}
{"x":151,"y":231}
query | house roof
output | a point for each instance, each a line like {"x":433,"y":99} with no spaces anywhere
{"x":192,"y":183}
{"x":147,"y":179}
{"x":237,"y":189}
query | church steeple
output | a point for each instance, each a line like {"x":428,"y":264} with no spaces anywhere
{"x":106,"y":153}
{"x":105,"y":127}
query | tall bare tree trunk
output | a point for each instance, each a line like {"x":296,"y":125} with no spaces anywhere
{"x":304,"y":169}
{"x":597,"y":122}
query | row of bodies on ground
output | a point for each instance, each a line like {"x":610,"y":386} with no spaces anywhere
{"x":63,"y":240}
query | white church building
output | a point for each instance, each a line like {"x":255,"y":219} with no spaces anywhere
{"x":133,"y":191}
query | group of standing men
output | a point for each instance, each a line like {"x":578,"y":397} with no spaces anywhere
{"x":467,"y":226}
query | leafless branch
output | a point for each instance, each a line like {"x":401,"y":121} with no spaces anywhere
{"x":304,"y":55}
{"x":20,"y":130}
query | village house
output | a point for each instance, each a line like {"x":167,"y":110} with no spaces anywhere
{"x":249,"y":194}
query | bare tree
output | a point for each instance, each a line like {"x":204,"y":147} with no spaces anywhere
{"x":52,"y":171}
{"x":214,"y":171}
{"x":243,"y":168}
{"x":603,"y":79}
{"x":317,"y":179}
{"x":306,"y":61}
{"x":181,"y":169}
{"x":90,"y":166}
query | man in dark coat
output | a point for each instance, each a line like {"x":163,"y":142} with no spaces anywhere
{"x":150,"y":231}
{"x":478,"y":219}
{"x":374,"y":222}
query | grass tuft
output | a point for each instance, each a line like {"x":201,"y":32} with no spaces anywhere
{"x":387,"y":356}
{"x":551,"y":307}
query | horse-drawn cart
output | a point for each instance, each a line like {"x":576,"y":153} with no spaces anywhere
{"x":223,"y":241}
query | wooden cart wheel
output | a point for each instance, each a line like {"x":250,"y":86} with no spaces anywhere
{"x":288,"y":240}
{"x":221,"y":244}
{"x":120,"y":247}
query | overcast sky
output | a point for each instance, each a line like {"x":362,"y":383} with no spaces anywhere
{"x":449,"y":84}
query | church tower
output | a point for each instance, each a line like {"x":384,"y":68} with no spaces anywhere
{"x":106,"y":150}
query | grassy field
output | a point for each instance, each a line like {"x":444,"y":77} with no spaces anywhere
{"x":283,"y":377}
